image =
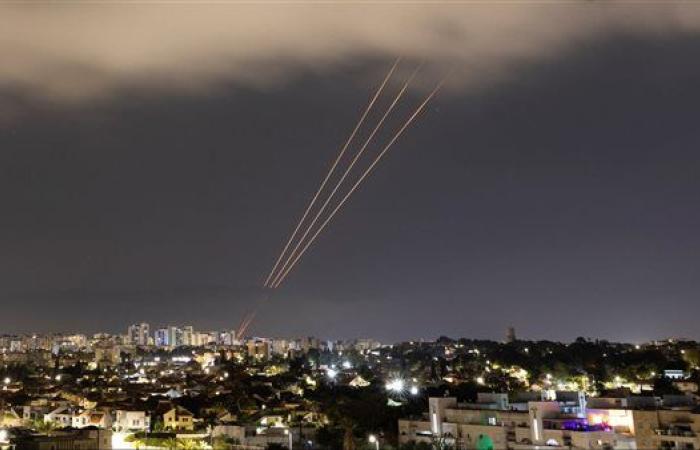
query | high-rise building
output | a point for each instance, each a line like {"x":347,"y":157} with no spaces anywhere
{"x":161,"y":337}
{"x":138,"y":334}
{"x":174,"y":336}
{"x":510,"y":335}
{"x":258,"y":349}
{"x":188,"y":336}
{"x":226,"y":338}
{"x":206,"y":338}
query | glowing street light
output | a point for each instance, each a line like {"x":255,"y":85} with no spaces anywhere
{"x":414,"y":390}
{"x":7,"y":380}
{"x":396,"y":385}
{"x":332,"y":373}
{"x":373,"y":440}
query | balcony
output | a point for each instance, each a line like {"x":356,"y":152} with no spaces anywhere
{"x":668,"y":446}
{"x":675,"y":432}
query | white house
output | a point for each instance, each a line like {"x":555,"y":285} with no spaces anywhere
{"x":61,"y":417}
{"x":91,"y":418}
{"x":131,"y":420}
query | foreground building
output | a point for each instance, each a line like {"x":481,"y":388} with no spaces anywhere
{"x":86,"y":439}
{"x":566,"y":422}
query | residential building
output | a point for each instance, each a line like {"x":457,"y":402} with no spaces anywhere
{"x":493,"y":422}
{"x":91,"y":418}
{"x":178,"y":418}
{"x":258,"y":349}
{"x":161,"y":337}
{"x":126,"y":420}
{"x":174,"y":336}
{"x":188,"y":335}
{"x":138,"y":334}
{"x":61,"y":417}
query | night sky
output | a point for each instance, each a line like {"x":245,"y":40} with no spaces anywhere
{"x":553,"y":185}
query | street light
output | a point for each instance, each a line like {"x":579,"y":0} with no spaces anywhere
{"x":373,"y":440}
{"x":396,"y":385}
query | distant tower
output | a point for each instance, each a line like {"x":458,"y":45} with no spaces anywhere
{"x":510,"y":335}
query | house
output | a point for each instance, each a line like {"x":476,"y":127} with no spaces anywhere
{"x":131,"y":420}
{"x":91,"y":418}
{"x":235,"y":432}
{"x":173,"y":393}
{"x":78,"y":399}
{"x":34,"y":412}
{"x":178,"y":418}
{"x":272,"y":421}
{"x":61,"y":417}
{"x":358,"y":381}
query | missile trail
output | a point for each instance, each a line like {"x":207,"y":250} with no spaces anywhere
{"x":248,"y":319}
{"x":345,"y":174}
{"x":250,"y":316}
{"x":332,"y":169}
{"x":359,"y":181}
{"x":245,"y":324}
{"x":242,"y":326}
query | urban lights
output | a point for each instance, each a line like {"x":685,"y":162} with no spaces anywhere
{"x":396,"y":385}
{"x":373,"y":440}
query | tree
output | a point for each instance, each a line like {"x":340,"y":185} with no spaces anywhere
{"x":189,"y":444}
{"x":329,"y":437}
{"x":44,"y":427}
{"x":157,"y":425}
{"x":664,"y":386}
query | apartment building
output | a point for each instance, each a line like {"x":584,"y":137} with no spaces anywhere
{"x":568,"y":421}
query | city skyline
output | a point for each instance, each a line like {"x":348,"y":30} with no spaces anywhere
{"x":173,"y":335}
{"x":551,"y":186}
